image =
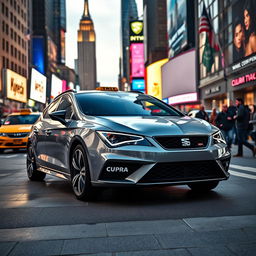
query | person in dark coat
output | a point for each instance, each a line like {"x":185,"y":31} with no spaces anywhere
{"x":224,"y":121}
{"x":202,"y":114}
{"x":242,"y":122}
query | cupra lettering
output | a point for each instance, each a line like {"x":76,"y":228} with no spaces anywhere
{"x":117,"y":169}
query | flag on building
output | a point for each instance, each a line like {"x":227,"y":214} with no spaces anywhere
{"x":211,"y":45}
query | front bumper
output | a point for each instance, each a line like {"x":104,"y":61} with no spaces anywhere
{"x":149,"y":166}
{"x":6,"y":142}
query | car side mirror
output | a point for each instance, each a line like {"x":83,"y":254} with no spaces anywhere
{"x":59,"y":116}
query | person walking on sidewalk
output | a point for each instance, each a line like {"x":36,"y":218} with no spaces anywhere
{"x":202,"y":114}
{"x":253,"y":122}
{"x":224,"y":121}
{"x":242,"y":122}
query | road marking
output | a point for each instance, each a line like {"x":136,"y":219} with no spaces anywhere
{"x":244,"y":175}
{"x":243,"y":168}
{"x":10,"y":156}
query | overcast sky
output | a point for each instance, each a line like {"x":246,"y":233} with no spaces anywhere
{"x":106,"y":17}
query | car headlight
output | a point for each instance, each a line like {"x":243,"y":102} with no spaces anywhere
{"x":115,"y":139}
{"x":2,"y":134}
{"x":218,"y":138}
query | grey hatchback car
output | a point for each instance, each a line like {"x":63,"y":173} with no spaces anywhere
{"x":113,"y":138}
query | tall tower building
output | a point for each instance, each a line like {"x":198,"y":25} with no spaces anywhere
{"x":86,"y":51}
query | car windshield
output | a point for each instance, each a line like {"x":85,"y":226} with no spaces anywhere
{"x":22,"y":119}
{"x":123,"y":104}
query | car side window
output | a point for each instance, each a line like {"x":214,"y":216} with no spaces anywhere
{"x":52,"y":107}
{"x":66,"y":104}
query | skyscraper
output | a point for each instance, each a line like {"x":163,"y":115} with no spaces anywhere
{"x":129,"y":12}
{"x":86,"y":51}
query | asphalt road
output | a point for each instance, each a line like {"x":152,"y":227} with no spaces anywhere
{"x":34,"y":204}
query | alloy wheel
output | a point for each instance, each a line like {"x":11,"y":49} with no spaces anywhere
{"x":79,"y":169}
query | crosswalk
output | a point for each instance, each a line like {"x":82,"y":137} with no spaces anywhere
{"x":242,"y":171}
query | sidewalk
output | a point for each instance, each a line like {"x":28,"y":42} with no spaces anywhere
{"x":230,"y":235}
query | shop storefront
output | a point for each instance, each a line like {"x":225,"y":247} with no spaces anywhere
{"x":243,"y":86}
{"x":214,"y":95}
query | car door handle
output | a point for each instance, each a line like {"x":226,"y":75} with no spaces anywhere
{"x":48,"y":132}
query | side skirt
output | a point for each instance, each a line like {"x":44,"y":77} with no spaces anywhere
{"x":53,"y":172}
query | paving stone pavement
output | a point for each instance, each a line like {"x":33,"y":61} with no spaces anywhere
{"x":229,"y":235}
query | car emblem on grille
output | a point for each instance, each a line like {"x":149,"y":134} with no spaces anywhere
{"x":185,"y":142}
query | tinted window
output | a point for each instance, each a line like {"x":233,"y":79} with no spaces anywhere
{"x":65,"y":104}
{"x":23,"y":119}
{"x":123,"y":104}
{"x":52,"y":107}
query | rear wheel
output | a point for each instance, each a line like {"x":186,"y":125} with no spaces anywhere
{"x":203,"y":186}
{"x":32,"y":172}
{"x":80,"y":175}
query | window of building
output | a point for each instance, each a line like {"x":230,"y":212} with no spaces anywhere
{"x":18,"y":25}
{"x":3,"y":26}
{"x":3,"y":62}
{"x":3,"y":8}
{"x":6,"y":12}
{"x":11,"y":50}
{"x":7,"y":46}
{"x":7,"y":29}
{"x":3,"y":44}
{"x":15,"y":52}
{"x":11,"y":14}
{"x":12,"y":65}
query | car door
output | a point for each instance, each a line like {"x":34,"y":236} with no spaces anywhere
{"x":58,"y":137}
{"x":40,"y":136}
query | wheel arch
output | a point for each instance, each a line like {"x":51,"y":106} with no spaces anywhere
{"x":77,"y":140}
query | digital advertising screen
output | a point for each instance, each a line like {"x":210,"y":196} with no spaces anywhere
{"x":138,"y":85}
{"x":137,"y":60}
{"x":176,"y":25}
{"x":244,"y":36}
{"x":16,"y":86}
{"x":38,"y":54}
{"x":154,"y":79}
{"x":38,"y":86}
{"x":179,"y":75}
{"x":56,"y":86}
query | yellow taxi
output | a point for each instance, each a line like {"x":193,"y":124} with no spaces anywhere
{"x":15,"y":129}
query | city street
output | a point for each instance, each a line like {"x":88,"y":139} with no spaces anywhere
{"x":44,"y":218}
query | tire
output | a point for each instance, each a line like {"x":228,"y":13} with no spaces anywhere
{"x":32,"y":172}
{"x":203,"y":186}
{"x":80,"y":175}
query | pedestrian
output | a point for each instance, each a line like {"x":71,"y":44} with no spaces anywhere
{"x":213,"y":116}
{"x":242,"y":123}
{"x":252,"y":122}
{"x":202,"y":114}
{"x":232,"y":111}
{"x":224,"y":121}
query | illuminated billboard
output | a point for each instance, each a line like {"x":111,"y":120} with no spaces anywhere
{"x":138,"y":85}
{"x":244,"y":38}
{"x":56,"y":86}
{"x":38,"y":60}
{"x":179,"y":76}
{"x":154,"y":79}
{"x":16,"y":86}
{"x":177,"y":25}
{"x":137,"y":60}
{"x":136,"y":31}
{"x":38,"y":86}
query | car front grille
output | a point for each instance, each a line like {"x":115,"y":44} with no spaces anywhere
{"x":183,"y":171}
{"x":17,"y":134}
{"x":173,"y":142}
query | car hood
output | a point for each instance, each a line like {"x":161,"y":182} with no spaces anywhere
{"x":157,"y":125}
{"x":15,"y":128}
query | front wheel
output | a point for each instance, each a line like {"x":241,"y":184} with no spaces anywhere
{"x":80,"y":175}
{"x":203,"y":186}
{"x":32,"y":172}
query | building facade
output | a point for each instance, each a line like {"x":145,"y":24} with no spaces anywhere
{"x":129,"y":13}
{"x":86,"y":51}
{"x":13,"y":54}
{"x":233,"y":73}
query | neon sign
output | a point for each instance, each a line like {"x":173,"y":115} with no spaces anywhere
{"x":244,"y":79}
